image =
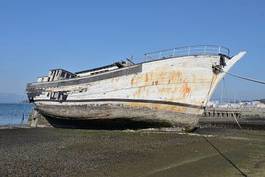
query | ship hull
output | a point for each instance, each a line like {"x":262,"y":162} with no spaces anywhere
{"x":172,"y":91}
{"x":80,"y":114}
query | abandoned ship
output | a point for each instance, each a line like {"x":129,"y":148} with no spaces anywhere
{"x":170,"y":86}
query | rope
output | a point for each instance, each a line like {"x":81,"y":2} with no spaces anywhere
{"x":245,"y":78}
{"x":225,"y":157}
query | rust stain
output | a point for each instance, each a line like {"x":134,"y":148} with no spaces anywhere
{"x":185,"y":89}
{"x":167,"y":82}
{"x":132,"y":81}
{"x":160,"y":76}
{"x":176,"y":76}
{"x":169,"y":108}
{"x":159,"y":107}
{"x":146,"y":78}
{"x":138,"y":92}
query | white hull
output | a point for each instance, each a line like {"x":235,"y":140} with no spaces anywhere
{"x":174,"y":90}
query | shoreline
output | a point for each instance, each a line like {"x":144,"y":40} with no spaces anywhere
{"x":13,"y":126}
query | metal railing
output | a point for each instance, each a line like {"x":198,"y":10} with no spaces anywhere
{"x":187,"y":51}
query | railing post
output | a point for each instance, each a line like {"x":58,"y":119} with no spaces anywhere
{"x":188,"y":50}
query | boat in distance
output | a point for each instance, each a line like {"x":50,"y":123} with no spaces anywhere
{"x":170,"y":86}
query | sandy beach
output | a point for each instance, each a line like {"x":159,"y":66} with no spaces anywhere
{"x":142,"y":153}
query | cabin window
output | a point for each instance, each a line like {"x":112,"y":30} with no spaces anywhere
{"x":56,"y":94}
{"x":52,"y":96}
{"x":60,"y":96}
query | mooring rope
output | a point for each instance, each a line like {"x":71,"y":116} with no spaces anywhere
{"x":212,"y":145}
{"x":225,"y":157}
{"x":244,"y":78}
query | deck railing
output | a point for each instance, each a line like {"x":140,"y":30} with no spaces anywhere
{"x":187,"y":51}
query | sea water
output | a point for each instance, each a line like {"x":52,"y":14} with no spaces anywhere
{"x":14,"y":114}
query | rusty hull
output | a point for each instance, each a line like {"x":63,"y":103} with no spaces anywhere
{"x":174,"y":90}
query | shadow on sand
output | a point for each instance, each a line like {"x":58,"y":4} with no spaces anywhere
{"x":106,"y":124}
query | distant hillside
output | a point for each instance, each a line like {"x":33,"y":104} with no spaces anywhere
{"x":11,"y":98}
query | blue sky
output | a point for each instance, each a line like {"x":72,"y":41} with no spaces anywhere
{"x":39,"y":35}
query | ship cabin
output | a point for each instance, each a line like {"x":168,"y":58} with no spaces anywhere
{"x":103,"y":69}
{"x":61,"y":74}
{"x":43,"y":79}
{"x":55,"y":75}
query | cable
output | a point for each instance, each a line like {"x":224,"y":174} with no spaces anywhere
{"x":238,"y":76}
{"x":244,"y":78}
{"x":226,"y":158}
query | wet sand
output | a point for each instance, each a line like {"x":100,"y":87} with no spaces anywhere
{"x":142,"y":153}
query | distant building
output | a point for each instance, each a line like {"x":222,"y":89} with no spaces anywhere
{"x":247,"y":104}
